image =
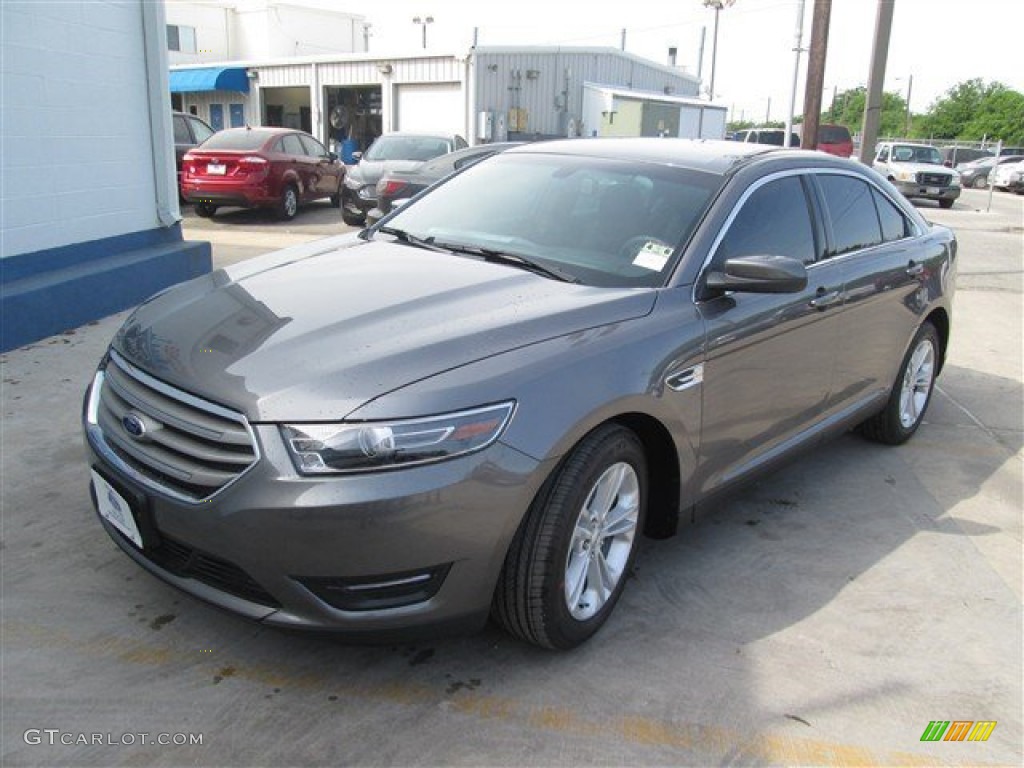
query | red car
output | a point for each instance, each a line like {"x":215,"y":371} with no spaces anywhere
{"x":275,"y":168}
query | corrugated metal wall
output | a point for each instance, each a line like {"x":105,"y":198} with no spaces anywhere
{"x":537,"y":81}
{"x":202,"y":102}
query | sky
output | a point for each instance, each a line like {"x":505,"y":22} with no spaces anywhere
{"x":938,"y":43}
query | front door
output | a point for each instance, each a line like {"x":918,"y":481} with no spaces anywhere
{"x":769,"y":357}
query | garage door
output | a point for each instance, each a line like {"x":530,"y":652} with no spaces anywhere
{"x":430,"y":107}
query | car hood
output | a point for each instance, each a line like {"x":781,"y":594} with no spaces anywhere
{"x":317,"y":338}
{"x":369,"y":172}
{"x":923,"y":168}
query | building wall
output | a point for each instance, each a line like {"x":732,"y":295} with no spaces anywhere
{"x":239,"y":31}
{"x":77,"y":149}
{"x":213,"y":23}
{"x":202,"y":102}
{"x":548,"y":83}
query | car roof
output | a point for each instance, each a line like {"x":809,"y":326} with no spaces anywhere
{"x":709,"y":155}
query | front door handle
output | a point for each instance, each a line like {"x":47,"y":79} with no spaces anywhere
{"x":914,"y":269}
{"x":824,"y":299}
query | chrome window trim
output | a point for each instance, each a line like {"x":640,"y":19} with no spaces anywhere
{"x":99,"y":441}
{"x":723,"y":230}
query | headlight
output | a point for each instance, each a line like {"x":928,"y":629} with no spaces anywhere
{"x":906,"y":175}
{"x":352,"y":183}
{"x":353,"y":447}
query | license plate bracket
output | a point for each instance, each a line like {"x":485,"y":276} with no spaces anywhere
{"x":124,"y":510}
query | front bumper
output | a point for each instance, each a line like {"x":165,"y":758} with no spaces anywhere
{"x":326,"y":553}
{"x":929,"y":192}
{"x":356,"y":203}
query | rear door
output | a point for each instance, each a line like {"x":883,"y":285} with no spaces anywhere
{"x":885,"y":290}
{"x":301,"y":164}
{"x":769,"y":357}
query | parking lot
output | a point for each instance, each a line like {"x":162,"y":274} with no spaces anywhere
{"x":824,"y":616}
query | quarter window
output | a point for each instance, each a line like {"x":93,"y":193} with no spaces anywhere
{"x":853,"y":214}
{"x":775,"y":221}
{"x":894,"y":223}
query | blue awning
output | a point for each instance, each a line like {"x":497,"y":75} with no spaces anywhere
{"x":209,"y":79}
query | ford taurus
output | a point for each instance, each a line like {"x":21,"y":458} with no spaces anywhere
{"x":478,"y":405}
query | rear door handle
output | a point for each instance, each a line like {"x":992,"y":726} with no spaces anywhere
{"x":824,"y":299}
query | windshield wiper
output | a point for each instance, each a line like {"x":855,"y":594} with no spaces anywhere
{"x":404,"y":237}
{"x":512,"y":259}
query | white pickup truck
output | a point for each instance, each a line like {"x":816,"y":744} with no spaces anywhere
{"x":917,"y":171}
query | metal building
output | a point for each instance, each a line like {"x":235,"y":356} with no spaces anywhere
{"x":488,"y":94}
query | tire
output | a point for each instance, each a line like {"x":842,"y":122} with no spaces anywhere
{"x":945,"y":203}
{"x":911,"y":392}
{"x":553,"y":591}
{"x":288,"y":205}
{"x":980,"y":183}
{"x":352,"y":220}
{"x":205,"y":210}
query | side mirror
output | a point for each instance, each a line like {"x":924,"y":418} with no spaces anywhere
{"x":759,"y":274}
{"x":332,"y":156}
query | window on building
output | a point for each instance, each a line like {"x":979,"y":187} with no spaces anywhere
{"x":182,"y":39}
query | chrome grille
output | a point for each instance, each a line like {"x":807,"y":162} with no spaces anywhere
{"x":935,"y":179}
{"x":188,"y":447}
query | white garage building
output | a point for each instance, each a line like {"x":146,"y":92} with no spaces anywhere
{"x":488,"y":94}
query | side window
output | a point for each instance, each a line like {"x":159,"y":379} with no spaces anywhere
{"x":181,"y":131}
{"x":313,"y":147}
{"x":202,"y":133}
{"x":894,"y":223}
{"x":850,"y":207}
{"x":292,"y":145}
{"x":775,"y":220}
{"x":883,"y":155}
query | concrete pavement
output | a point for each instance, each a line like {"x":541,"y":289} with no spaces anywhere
{"x":823,"y":617}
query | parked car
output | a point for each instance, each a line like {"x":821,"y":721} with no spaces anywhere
{"x":276,"y":168}
{"x":189,"y":132}
{"x":1010,"y":177}
{"x":479,"y":405}
{"x":917,"y":171}
{"x":402,"y":185}
{"x":390,"y":152}
{"x":772,"y":136}
{"x":976,"y":173}
{"x":832,"y":138}
{"x":954,"y":156}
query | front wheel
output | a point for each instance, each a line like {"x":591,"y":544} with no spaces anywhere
{"x":288,"y":206}
{"x":911,"y":392}
{"x":981,"y":182}
{"x":570,"y":559}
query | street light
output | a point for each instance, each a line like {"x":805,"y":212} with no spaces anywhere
{"x":423,"y":24}
{"x":910,"y":88}
{"x":717,"y":5}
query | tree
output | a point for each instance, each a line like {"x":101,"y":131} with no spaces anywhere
{"x":972,"y":111}
{"x":848,"y":110}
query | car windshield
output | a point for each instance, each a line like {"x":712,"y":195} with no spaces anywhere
{"x":406,"y":148}
{"x":903,"y":153}
{"x":598,"y":222}
{"x":248,"y":139}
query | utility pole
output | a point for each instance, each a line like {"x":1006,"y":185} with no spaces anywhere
{"x":815,"y":73}
{"x":797,"y":50}
{"x":768,"y":112}
{"x":910,"y":89}
{"x":876,"y":78}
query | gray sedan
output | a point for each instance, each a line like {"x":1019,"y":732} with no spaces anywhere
{"x":476,"y":408}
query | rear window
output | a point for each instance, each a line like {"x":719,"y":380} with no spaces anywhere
{"x":833,"y":134}
{"x":247,"y":139}
{"x":407,"y":148}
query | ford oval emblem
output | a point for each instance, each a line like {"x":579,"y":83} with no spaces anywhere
{"x":133,"y":425}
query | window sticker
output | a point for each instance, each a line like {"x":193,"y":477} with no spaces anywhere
{"x":653,"y":256}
